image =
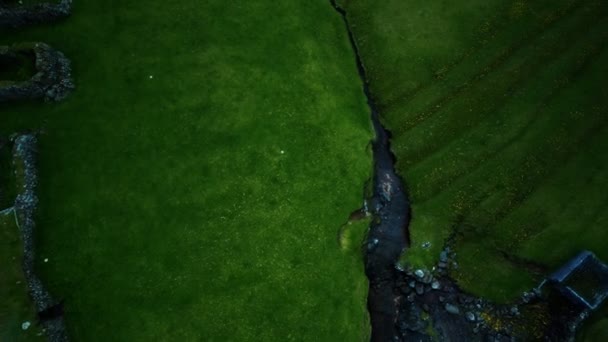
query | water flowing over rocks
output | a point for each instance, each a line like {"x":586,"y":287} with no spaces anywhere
{"x":52,"y":80}
{"x":426,"y":305}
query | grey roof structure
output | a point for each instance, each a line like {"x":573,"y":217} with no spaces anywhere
{"x":583,"y":279}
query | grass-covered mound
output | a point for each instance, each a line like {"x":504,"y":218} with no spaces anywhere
{"x":498,"y":111}
{"x":193,"y":185}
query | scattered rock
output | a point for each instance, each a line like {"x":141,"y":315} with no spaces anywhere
{"x":25,"y":325}
{"x":426,"y":245}
{"x":470,"y":316}
{"x":435,"y":285}
{"x":443,"y":256}
{"x":419,"y":273}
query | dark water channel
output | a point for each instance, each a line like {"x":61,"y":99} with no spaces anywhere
{"x":389,"y":206}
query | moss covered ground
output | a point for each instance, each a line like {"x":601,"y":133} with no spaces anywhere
{"x":192,"y":187}
{"x":498,"y":111}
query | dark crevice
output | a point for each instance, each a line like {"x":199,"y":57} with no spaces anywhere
{"x":389,"y":205}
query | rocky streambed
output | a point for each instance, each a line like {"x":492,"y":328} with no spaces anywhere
{"x":427,"y":305}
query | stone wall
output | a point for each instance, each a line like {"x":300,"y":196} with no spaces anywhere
{"x":52,"y":81}
{"x":14,"y":16}
{"x":24,"y":160}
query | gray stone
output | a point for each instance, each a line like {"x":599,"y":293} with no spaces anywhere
{"x":52,"y":80}
{"x":419,"y":289}
{"x":453,"y":309}
{"x":25,"y":15}
{"x":470,"y":316}
{"x":427,"y":279}
{"x":412,"y":283}
{"x":442,"y":264}
{"x":419,"y":273}
{"x":443,"y":256}
{"x":435,"y":285}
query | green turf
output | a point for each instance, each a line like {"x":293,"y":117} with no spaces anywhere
{"x":193,"y":186}
{"x":498,"y":110}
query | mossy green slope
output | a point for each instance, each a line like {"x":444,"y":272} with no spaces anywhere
{"x":193,"y":186}
{"x":498,"y":111}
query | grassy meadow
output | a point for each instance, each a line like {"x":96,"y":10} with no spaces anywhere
{"x":193,"y":185}
{"x":498,"y":110}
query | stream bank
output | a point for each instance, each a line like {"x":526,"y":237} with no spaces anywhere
{"x":427,"y":305}
{"x":389,"y":206}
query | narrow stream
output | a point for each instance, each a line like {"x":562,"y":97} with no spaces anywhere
{"x":388,"y":235}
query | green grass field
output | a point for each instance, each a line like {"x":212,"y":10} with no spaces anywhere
{"x":193,"y":185}
{"x":498,"y":110}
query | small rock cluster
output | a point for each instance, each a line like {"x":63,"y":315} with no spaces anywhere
{"x":452,"y":313}
{"x":19,"y":15}
{"x":52,"y":81}
{"x":24,"y":161}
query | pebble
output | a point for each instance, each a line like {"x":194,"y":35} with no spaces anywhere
{"x":419,"y":273}
{"x":25,"y":325}
{"x":46,"y":259}
{"x":453,"y":309}
{"x":426,"y":245}
{"x":410,"y":297}
{"x":419,"y":289}
{"x":435,"y":285}
{"x":442,"y":264}
{"x":412,"y":284}
{"x":443,"y":257}
{"x":441,"y":299}
{"x":470,"y":316}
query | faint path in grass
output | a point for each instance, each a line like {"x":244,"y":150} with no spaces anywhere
{"x":388,"y":235}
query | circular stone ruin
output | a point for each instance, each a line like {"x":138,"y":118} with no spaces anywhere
{"x":14,"y":14}
{"x":47,"y":73}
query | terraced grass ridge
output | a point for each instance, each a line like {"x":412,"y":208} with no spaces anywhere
{"x":498,"y":110}
{"x":193,"y":186}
